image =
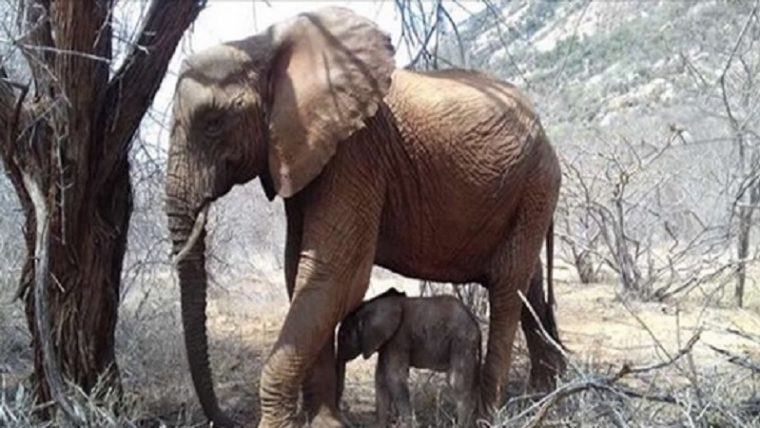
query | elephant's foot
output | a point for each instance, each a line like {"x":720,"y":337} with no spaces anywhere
{"x":277,"y":410}
{"x":279,"y":424}
{"x":405,"y":423}
{"x":224,"y":421}
{"x":328,"y":418}
{"x":484,"y":414}
{"x":544,"y":371}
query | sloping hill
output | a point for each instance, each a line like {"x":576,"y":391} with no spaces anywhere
{"x":594,"y":61}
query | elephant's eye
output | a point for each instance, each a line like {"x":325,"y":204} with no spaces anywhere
{"x":214,"y":126}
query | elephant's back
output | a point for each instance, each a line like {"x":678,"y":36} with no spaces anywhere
{"x":460,"y":107}
{"x":439,"y":88}
{"x":459,"y":163}
{"x":479,"y":129}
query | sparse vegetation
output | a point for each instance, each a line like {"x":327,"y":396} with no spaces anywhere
{"x":655,"y":113}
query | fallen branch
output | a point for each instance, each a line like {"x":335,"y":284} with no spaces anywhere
{"x":604,"y":384}
{"x":737,"y":359}
{"x":744,"y":335}
{"x":683,"y":351}
{"x":608,"y":384}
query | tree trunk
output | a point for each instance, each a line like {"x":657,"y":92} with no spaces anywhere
{"x":584,"y":264}
{"x":84,"y":293}
{"x":747,"y":206}
{"x":70,"y":141}
{"x":745,"y":224}
{"x":629,"y":272}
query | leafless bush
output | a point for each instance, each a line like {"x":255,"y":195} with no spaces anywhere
{"x":668,"y":391}
{"x":623,"y":206}
{"x":730,"y":93}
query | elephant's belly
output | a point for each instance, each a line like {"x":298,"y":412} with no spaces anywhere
{"x":439,"y":362}
{"x":440,"y":270}
{"x":457,"y":249}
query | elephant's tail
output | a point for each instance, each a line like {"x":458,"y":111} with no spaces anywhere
{"x":549,"y":319}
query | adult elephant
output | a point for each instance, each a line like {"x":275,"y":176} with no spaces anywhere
{"x":444,"y":176}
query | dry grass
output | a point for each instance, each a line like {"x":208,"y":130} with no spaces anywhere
{"x":649,"y":364}
{"x":609,"y":341}
{"x":157,"y":390}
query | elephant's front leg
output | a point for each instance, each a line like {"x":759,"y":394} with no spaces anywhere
{"x":320,"y":386}
{"x":320,"y":389}
{"x":382,"y":395}
{"x":331,"y":277}
{"x":309,"y":325}
{"x":394,"y":368}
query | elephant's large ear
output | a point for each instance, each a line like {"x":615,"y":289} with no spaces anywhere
{"x":380,"y":323}
{"x":330,"y":71}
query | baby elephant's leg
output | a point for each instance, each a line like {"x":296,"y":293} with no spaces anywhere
{"x":395,"y":372}
{"x":382,"y":395}
{"x":463,"y":379}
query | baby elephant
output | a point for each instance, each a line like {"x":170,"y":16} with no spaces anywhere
{"x":436,"y":333}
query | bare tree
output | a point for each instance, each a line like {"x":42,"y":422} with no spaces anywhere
{"x":65,"y":149}
{"x":741,"y":102}
{"x":578,"y":230}
{"x":734,"y":96}
{"x":618,"y":210}
{"x":424,"y":26}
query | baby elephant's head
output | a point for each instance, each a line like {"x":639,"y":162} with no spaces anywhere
{"x":368,"y":328}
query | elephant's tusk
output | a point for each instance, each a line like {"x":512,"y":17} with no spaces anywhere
{"x":200,"y":223}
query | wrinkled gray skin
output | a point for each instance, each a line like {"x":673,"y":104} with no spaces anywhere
{"x":436,"y":333}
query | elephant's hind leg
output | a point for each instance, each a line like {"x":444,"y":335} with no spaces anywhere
{"x":546,"y":361}
{"x":511,"y":271}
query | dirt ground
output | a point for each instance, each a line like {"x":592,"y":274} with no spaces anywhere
{"x":602,"y":331}
{"x":595,"y":325}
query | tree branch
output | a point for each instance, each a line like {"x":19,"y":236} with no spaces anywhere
{"x":8,"y":107}
{"x":13,"y":116}
{"x":737,"y":359}
{"x":83,"y":32}
{"x":38,"y":34}
{"x":131,"y":90}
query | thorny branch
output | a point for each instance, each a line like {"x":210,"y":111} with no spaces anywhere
{"x":599,"y":383}
{"x":418,"y":30}
{"x":34,"y":20}
{"x":141,"y":72}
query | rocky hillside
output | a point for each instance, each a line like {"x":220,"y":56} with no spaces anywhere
{"x":604,"y":59}
{"x":603,"y":71}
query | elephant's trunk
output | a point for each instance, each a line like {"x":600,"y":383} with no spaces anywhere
{"x":193,"y":283}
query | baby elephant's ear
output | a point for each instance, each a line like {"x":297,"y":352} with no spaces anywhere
{"x":330,"y":70}
{"x":380,"y":322}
